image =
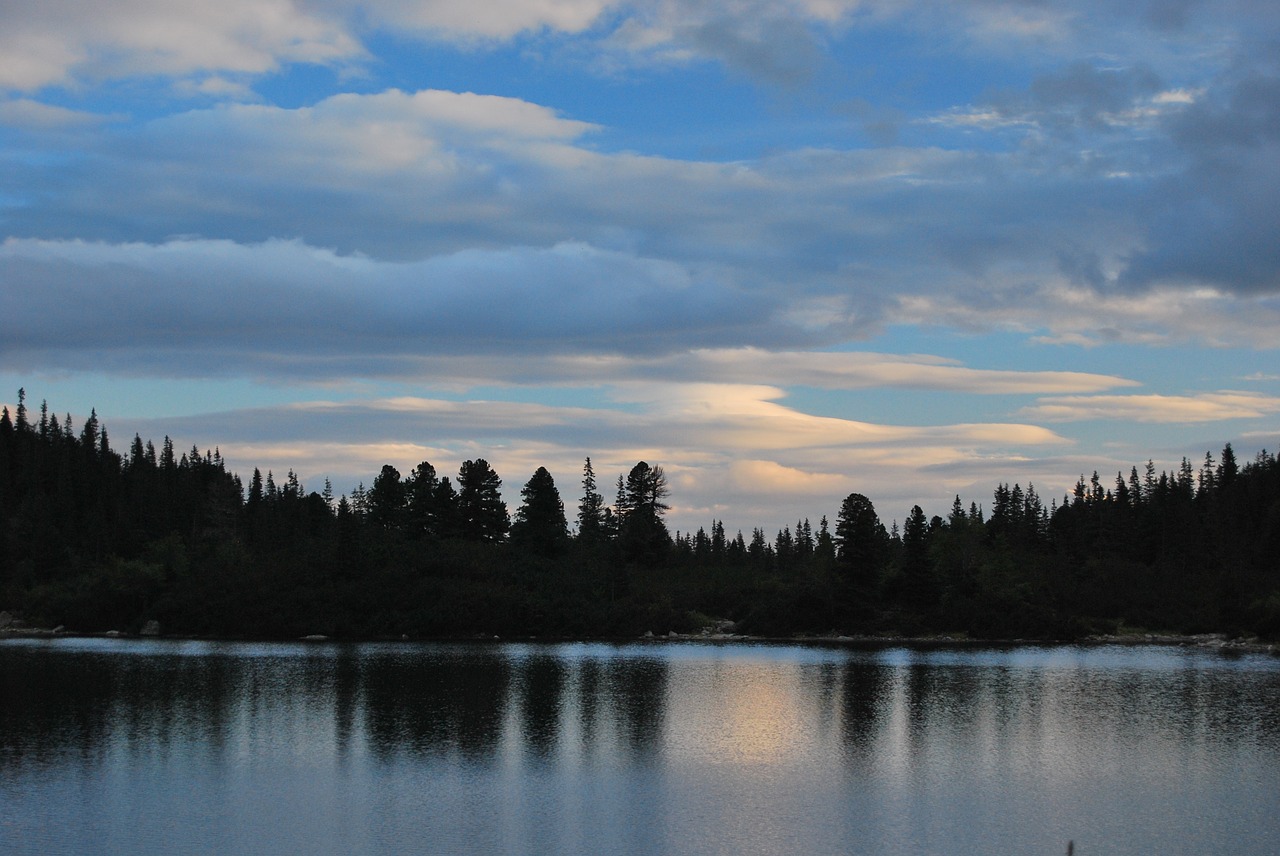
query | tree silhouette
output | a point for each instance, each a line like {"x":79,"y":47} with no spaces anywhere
{"x":540,"y":524}
{"x":482,"y":515}
{"x":642,"y":535}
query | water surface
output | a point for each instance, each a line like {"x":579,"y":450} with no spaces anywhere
{"x":125,"y":746}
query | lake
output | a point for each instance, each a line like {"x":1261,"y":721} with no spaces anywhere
{"x":154,"y":746}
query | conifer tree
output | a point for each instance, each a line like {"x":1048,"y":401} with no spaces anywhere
{"x":445,"y":508}
{"x":540,"y":524}
{"x":590,"y":508}
{"x":641,"y":533}
{"x":482,"y":515}
{"x":386,"y":498}
{"x":20,"y":418}
{"x":421,"y":487}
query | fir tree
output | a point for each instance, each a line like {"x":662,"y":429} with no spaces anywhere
{"x":590,"y":508}
{"x":540,"y":524}
{"x":481,"y":511}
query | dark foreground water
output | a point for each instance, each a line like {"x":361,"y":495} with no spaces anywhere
{"x":125,"y":746}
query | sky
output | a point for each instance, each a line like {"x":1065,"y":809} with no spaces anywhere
{"x":786,"y":250}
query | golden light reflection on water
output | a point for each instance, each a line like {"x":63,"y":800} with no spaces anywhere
{"x":738,"y":713}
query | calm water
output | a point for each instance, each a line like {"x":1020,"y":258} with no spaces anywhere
{"x":125,"y":746}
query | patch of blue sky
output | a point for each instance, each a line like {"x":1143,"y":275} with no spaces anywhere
{"x":715,"y":117}
{"x":145,"y":398}
{"x":305,"y":84}
{"x":129,"y":101}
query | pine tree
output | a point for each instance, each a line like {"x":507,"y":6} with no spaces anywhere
{"x":445,"y":508}
{"x":540,"y":524}
{"x":590,"y":508}
{"x":482,"y":513}
{"x":421,"y":487}
{"x":860,"y":536}
{"x":386,"y":499}
{"x":255,"y":489}
{"x":641,"y":533}
{"x":918,"y":589}
{"x":1228,"y":469}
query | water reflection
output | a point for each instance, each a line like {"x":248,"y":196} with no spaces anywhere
{"x":541,"y":689}
{"x":636,"y":691}
{"x":453,"y":702}
{"x":634,"y":749}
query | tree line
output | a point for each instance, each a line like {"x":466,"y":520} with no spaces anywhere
{"x":95,"y":539}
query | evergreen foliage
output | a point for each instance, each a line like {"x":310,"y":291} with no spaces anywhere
{"x":540,"y":525}
{"x":482,"y":515}
{"x":95,"y":540}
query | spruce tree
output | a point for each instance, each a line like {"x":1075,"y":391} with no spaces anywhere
{"x":540,"y":524}
{"x":641,"y":533}
{"x":482,"y":515}
{"x":590,"y":508}
{"x":387,"y":498}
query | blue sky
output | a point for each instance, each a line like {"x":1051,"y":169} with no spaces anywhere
{"x":786,"y":250}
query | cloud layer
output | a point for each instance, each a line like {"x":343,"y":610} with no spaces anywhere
{"x":920,"y":247}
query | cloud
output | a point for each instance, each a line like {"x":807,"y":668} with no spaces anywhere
{"x":1214,"y":223}
{"x":57,"y":42}
{"x":715,"y":442}
{"x":772,"y":478}
{"x":1083,"y":95}
{"x":1204,"y":407}
{"x":194,"y":307}
{"x":33,"y":115}
{"x":830,"y":244}
{"x":844,"y":370}
{"x":1080,"y":316}
{"x":490,"y":19}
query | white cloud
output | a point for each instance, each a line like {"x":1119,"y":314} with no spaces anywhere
{"x":33,"y":115}
{"x":273,"y":306}
{"x":846,"y":370}
{"x":494,"y":19}
{"x":1203,"y":407}
{"x":1079,"y":316}
{"x":55,"y":42}
{"x":716,"y":443}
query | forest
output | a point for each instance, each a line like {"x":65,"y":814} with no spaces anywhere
{"x":92,"y":539}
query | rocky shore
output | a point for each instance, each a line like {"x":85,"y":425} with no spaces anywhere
{"x":12,"y":626}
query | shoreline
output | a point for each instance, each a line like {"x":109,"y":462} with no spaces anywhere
{"x":1215,"y":641}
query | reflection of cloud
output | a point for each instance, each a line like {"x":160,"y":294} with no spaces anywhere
{"x":1207,"y":407}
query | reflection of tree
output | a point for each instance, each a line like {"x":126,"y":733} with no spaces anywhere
{"x":918,"y":686}
{"x":60,"y":702}
{"x":637,"y":692}
{"x":436,"y":702}
{"x":866,"y":686}
{"x":53,"y":705}
{"x":542,"y":685}
{"x":346,"y":696}
{"x":588,"y":702}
